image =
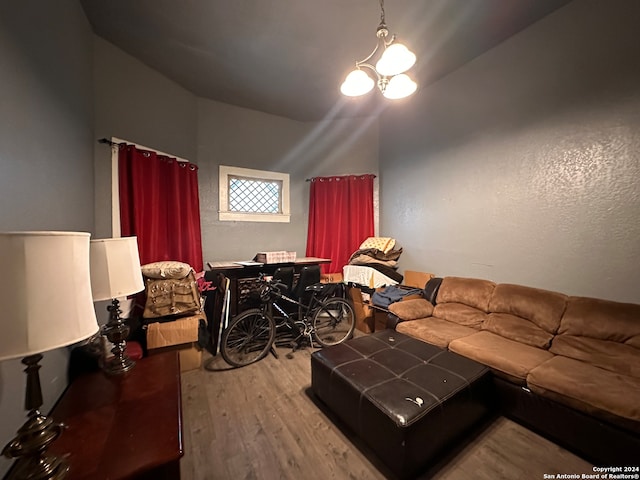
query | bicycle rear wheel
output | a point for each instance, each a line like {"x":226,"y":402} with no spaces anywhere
{"x":248,"y":338}
{"x":334,"y":321}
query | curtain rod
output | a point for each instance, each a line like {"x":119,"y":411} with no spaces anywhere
{"x":108,"y":142}
{"x":118,"y":144}
{"x":349,"y":175}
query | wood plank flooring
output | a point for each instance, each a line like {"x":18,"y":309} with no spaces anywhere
{"x":262,"y":422}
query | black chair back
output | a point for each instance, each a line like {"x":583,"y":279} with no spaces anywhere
{"x":284,"y":275}
{"x":309,"y":275}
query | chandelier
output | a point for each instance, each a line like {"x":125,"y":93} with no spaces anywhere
{"x":389,"y":69}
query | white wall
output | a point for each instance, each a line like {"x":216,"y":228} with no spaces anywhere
{"x":523,"y":165}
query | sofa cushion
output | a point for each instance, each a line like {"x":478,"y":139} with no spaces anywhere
{"x":518,"y":329}
{"x":434,"y":330}
{"x":411,"y":309}
{"x":541,"y":307}
{"x":507,"y":356}
{"x":602,"y":319}
{"x":611,"y":396}
{"x":468,"y":291}
{"x":460,"y":314}
{"x":613,"y":356}
{"x":603,"y":333}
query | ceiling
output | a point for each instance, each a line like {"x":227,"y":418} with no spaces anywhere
{"x":289,"y":57}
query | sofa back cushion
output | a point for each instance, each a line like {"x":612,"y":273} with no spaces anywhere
{"x":460,"y":314}
{"x":601,"y":332}
{"x":517,"y":329}
{"x":602,"y":319}
{"x":525,"y":314}
{"x":612,"y":356}
{"x":463,"y":300}
{"x":467,"y":291}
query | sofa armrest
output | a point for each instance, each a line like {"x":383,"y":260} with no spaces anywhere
{"x":408,"y":310}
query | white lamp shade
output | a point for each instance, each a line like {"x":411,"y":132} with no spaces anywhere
{"x":115,"y":268}
{"x":395,"y":59}
{"x":400,"y":86}
{"x":45,"y":292}
{"x":357,"y":83}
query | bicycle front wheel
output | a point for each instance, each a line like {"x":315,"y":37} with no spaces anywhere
{"x":248,"y":338}
{"x":334,"y":321}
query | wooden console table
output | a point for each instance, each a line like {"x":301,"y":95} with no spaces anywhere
{"x":126,"y":426}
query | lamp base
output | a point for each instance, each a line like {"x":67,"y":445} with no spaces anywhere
{"x":116,"y":365}
{"x":116,"y":332}
{"x":47,"y":467}
{"x":34,"y":437}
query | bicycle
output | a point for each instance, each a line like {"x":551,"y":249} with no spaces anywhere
{"x":252,"y":334}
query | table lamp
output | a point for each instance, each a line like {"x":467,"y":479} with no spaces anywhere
{"x":45,"y":293}
{"x":116,"y":272}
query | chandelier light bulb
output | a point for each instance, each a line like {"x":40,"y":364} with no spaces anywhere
{"x":400,"y":86}
{"x":396,"y":59}
{"x":357,"y":83}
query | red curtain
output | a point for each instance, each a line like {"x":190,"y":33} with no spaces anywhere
{"x":340,"y":218}
{"x":159,"y":204}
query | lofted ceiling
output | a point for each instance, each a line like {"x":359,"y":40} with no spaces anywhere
{"x":289,"y":57}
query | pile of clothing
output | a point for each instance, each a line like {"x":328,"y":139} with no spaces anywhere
{"x":375,"y":263}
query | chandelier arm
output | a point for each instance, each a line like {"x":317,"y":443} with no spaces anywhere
{"x":393,"y":39}
{"x":366,"y":59}
{"x":370,"y":67}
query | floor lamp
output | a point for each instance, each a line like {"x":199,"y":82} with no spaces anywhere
{"x":45,"y":293}
{"x":116,"y":273}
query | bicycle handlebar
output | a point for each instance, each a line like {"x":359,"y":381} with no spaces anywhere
{"x":278,"y":288}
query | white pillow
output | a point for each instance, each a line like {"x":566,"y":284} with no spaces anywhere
{"x":166,"y":269}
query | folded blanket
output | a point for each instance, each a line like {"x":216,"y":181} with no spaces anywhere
{"x":367,"y":260}
{"x":377,"y":254}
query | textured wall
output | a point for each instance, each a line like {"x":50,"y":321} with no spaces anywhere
{"x":238,"y":137}
{"x":523,"y":165}
{"x":46,"y":173}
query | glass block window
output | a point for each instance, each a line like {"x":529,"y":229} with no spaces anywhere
{"x":254,"y":195}
{"x":249,"y":195}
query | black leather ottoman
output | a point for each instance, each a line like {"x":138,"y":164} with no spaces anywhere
{"x":408,"y":400}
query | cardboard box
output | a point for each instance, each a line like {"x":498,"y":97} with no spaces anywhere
{"x":331,"y":277}
{"x":190,"y":355}
{"x":181,"y":335}
{"x":380,"y":319}
{"x":364,"y":313}
{"x":416,"y":279}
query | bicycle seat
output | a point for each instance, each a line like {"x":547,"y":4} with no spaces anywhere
{"x":317,"y":287}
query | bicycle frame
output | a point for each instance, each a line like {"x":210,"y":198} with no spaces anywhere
{"x":291,"y":320}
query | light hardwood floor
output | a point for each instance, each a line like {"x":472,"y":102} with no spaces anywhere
{"x":262,"y":422}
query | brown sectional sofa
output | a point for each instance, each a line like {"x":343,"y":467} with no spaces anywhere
{"x":568,"y":367}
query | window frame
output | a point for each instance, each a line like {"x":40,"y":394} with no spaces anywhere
{"x":224,"y":214}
